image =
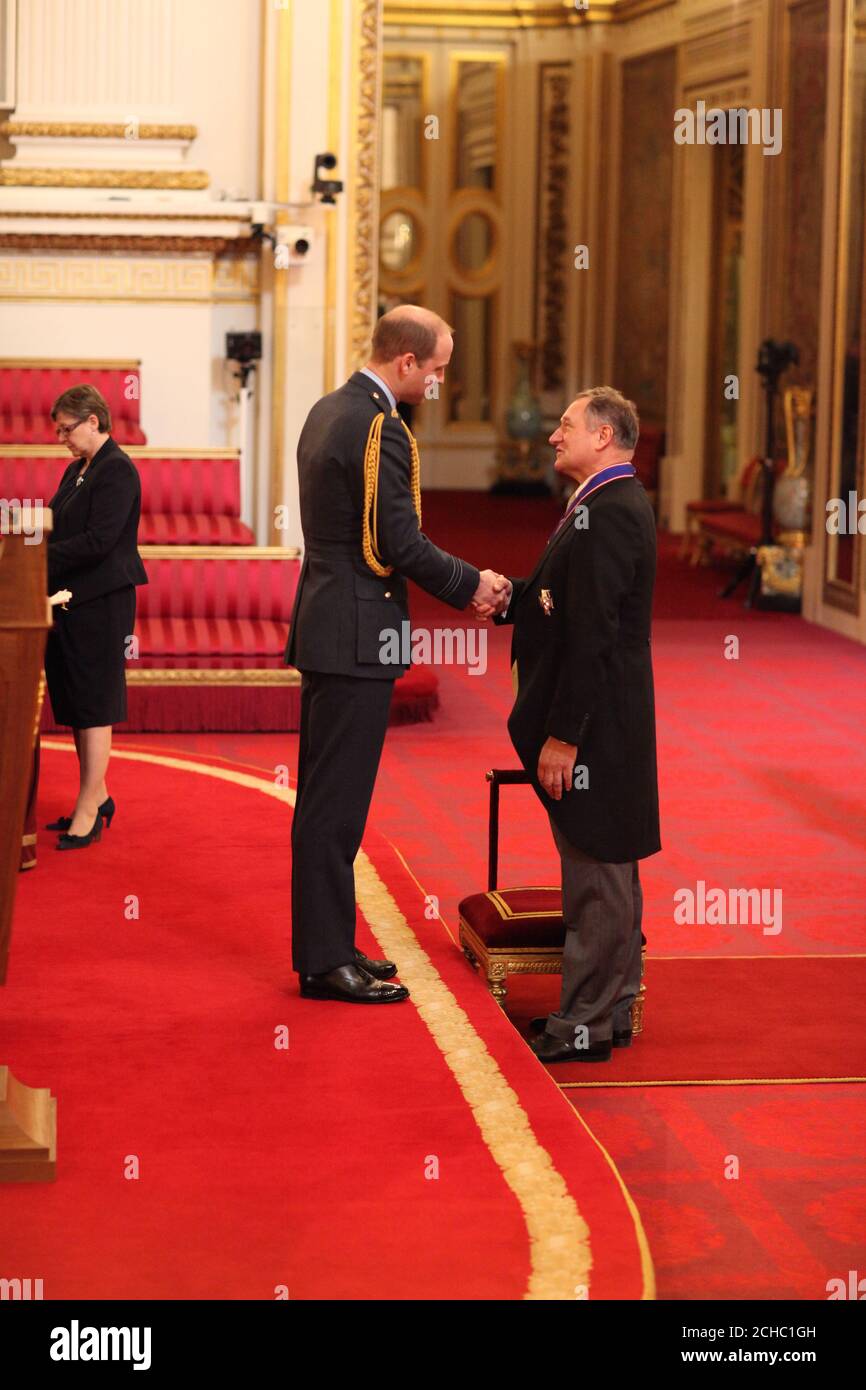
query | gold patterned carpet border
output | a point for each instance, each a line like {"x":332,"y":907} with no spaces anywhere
{"x":559,"y":1242}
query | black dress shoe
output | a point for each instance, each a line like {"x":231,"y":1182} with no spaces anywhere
{"x":379,"y":969}
{"x":106,"y":810}
{"x":623,"y":1039}
{"x":351,"y":985}
{"x":548,"y":1049}
{"x":81,"y":841}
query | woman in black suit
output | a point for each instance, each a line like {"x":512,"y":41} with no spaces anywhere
{"x":92,"y":551}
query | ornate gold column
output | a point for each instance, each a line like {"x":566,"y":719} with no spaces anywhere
{"x":363,"y":165}
{"x":321,"y":82}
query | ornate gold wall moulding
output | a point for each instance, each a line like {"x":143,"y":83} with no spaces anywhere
{"x":496,"y":14}
{"x":97,"y":277}
{"x":364,"y":221}
{"x":96,"y":130}
{"x":553,"y":265}
{"x":136,"y":451}
{"x":193,"y":675}
{"x":515,"y":14}
{"x":103,"y":214}
{"x":61,"y":364}
{"x":237,"y":275}
{"x":10,"y":177}
{"x":230,"y":247}
{"x":218,"y":552}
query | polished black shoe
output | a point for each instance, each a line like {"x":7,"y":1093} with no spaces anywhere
{"x":81,"y":841}
{"x":549,"y":1049}
{"x":351,"y":984}
{"x":379,"y":969}
{"x":623,"y":1039}
{"x":106,"y":810}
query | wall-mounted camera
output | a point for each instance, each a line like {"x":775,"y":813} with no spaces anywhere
{"x":292,"y":245}
{"x":325,"y":189}
{"x":246,"y":350}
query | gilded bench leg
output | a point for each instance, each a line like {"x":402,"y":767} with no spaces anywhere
{"x":638,"y":1005}
{"x":497,"y":974}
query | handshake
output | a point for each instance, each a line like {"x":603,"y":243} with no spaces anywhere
{"x":492,"y":596}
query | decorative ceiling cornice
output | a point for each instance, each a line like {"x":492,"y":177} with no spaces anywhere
{"x":163,"y":245}
{"x":515,"y":14}
{"x":27,"y":177}
{"x":95,"y":130}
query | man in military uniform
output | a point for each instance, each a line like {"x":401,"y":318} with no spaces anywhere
{"x":358,"y":472}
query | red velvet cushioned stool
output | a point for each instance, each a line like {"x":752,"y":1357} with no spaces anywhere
{"x":518,"y":931}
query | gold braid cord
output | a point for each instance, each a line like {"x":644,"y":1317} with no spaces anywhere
{"x":372,"y":455}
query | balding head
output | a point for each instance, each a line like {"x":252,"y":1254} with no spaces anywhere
{"x":408,"y":328}
{"x":411,"y":348}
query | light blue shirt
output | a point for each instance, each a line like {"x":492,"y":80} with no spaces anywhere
{"x":379,"y":382}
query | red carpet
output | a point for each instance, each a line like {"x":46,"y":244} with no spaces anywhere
{"x":763,"y":769}
{"x":410,"y":1152}
{"x":791,"y":1216}
{"x":796,"y":1019}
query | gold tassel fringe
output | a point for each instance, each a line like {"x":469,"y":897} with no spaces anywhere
{"x":372,"y":455}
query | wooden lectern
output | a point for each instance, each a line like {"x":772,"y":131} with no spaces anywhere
{"x":27,"y":1114}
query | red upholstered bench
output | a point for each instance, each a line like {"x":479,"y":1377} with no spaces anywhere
{"x":221,"y":607}
{"x":734,"y":527}
{"x":518,"y":931}
{"x":695,"y":512}
{"x":30,"y":386}
{"x":188,"y":496}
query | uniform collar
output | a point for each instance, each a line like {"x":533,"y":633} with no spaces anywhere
{"x":392,"y":400}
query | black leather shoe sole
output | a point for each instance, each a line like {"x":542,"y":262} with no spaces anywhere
{"x":550,"y":1050}
{"x":395,"y":995}
{"x":538,"y":1025}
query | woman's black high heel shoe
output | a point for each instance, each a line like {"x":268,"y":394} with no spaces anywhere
{"x":106,"y":810}
{"x":81,"y":841}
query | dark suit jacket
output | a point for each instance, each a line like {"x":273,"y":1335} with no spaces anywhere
{"x":92,"y":548}
{"x":585,"y":672}
{"x":341,"y":606}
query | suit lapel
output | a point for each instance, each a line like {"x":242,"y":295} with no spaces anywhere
{"x":566,"y":530}
{"x":555,"y":540}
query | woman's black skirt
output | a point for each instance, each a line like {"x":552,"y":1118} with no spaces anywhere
{"x":85,"y":660}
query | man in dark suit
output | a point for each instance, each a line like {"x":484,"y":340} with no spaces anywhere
{"x":360,"y":513}
{"x":583,"y":720}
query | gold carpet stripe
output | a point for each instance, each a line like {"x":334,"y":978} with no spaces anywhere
{"x":558,"y":1235}
{"x":646,"y":1262}
{"x":559,"y":1244}
{"x":803,"y":955}
{"x":647,"y":1268}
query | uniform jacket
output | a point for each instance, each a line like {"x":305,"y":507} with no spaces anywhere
{"x":342,"y":607}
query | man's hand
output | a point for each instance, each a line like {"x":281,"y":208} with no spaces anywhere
{"x":492,"y":596}
{"x":556,"y":767}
